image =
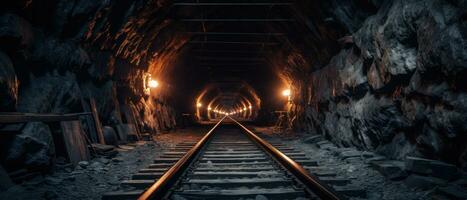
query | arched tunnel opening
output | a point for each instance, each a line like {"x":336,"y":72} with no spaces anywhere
{"x":217,"y":100}
{"x":367,"y":97}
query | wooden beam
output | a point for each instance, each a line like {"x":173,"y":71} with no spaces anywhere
{"x":231,"y":42}
{"x":248,"y":52}
{"x":237,"y":20}
{"x":231,"y":4}
{"x":231,"y":58}
{"x":16,"y":117}
{"x":237,"y":33}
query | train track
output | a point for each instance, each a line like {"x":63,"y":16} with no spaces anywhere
{"x":229,"y":162}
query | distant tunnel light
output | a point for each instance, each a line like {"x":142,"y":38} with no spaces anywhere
{"x":209,"y":108}
{"x":250,"y":107}
{"x":286,"y":93}
{"x":199,"y":105}
{"x":153,"y":83}
{"x":244,"y":109}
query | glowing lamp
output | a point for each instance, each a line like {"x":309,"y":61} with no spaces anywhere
{"x":286,"y":93}
{"x":209,"y":108}
{"x":153,"y":83}
{"x":250,"y":107}
{"x":199,"y":105}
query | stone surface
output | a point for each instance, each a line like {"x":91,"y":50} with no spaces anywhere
{"x":15,"y":32}
{"x":83,"y":164}
{"x":97,"y":178}
{"x":32,"y":147}
{"x":365,"y":180}
{"x":313,"y":139}
{"x":398,"y":89}
{"x":55,"y":56}
{"x":419,"y":165}
{"x":452,"y":192}
{"x":375,"y":158}
{"x":52,"y":93}
{"x":350,"y":154}
{"x":394,"y":170}
{"x":423,"y":182}
{"x":444,"y":170}
{"x":5,"y":181}
{"x":8,"y":84}
{"x":110,"y":136}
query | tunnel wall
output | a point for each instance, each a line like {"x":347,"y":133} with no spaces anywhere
{"x":57,"y":55}
{"x":397,"y":86}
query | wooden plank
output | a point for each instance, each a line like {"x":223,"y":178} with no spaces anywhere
{"x":74,"y":141}
{"x":16,"y":117}
{"x":97,"y":122}
{"x":90,"y":121}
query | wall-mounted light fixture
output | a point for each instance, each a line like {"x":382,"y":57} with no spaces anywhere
{"x":199,"y":105}
{"x":149,"y":83}
{"x":286,"y":93}
{"x":153,"y":83}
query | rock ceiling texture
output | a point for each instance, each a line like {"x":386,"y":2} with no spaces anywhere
{"x":380,"y":75}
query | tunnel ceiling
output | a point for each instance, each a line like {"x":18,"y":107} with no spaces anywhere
{"x":255,"y":43}
{"x":229,"y":42}
{"x":190,"y":45}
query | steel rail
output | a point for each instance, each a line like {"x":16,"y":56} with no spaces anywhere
{"x":160,"y":188}
{"x":311,"y":182}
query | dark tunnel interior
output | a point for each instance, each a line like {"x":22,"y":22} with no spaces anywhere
{"x":374,"y":88}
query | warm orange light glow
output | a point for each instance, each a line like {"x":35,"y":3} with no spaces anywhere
{"x":250,"y":107}
{"x":244,"y":109}
{"x":209,"y":108}
{"x":286,"y":93}
{"x":199,"y":105}
{"x":153,"y":83}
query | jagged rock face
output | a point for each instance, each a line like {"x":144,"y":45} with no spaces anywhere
{"x":32,"y":148}
{"x":50,"y":94}
{"x":400,"y":89}
{"x":57,"y":55}
{"x":8,"y":84}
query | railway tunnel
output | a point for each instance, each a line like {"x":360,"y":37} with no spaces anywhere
{"x":347,"y":99}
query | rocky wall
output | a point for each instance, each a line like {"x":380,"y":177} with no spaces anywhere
{"x":57,"y":55}
{"x":397,"y":86}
